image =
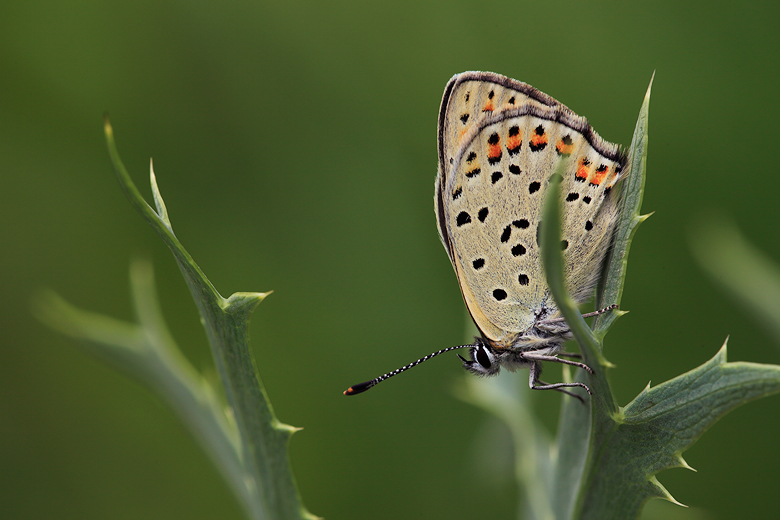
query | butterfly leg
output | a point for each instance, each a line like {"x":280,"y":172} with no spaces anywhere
{"x":536,"y":384}
{"x":548,"y":386}
{"x":570,"y":354}
{"x":588,"y":315}
{"x":541,"y":357}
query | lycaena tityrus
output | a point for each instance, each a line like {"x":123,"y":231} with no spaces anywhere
{"x":500,"y":143}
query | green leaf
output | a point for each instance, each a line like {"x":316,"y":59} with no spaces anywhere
{"x":244,"y":437}
{"x":610,"y":289}
{"x":659,"y":424}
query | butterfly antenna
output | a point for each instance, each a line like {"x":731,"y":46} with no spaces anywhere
{"x":362,"y":387}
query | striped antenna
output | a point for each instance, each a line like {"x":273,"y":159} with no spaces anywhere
{"x":362,"y":387}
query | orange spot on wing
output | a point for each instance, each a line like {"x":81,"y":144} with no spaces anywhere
{"x":538,"y":140}
{"x":489,"y":106}
{"x":514,"y":142}
{"x":494,"y":150}
{"x":601,"y":172}
{"x":583,"y":169}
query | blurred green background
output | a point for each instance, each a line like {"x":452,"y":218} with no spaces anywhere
{"x":295,"y":145}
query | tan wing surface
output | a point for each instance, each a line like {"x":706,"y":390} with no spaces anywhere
{"x":500,"y":141}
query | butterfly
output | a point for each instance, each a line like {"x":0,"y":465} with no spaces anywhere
{"x":500,"y":143}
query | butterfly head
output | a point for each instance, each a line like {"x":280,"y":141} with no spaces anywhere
{"x":484,"y":360}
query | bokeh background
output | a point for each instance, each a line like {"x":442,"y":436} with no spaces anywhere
{"x":295,"y":145}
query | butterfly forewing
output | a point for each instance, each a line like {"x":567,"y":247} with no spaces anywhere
{"x":500,"y":142}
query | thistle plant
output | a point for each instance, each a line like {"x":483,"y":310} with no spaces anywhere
{"x":604,"y":459}
{"x":243,"y":437}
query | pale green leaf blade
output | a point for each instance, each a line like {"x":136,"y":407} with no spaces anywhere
{"x":741,"y":268}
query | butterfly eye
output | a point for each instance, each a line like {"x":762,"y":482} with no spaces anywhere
{"x":483,"y":358}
